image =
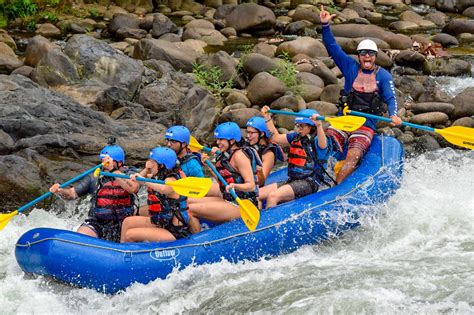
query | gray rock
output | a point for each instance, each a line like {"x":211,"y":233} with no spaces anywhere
{"x":458,"y":26}
{"x":286,"y":101}
{"x":324,"y":108}
{"x":103,"y":63}
{"x":463,"y":104}
{"x":464,"y":121}
{"x":235,"y":97}
{"x":432,"y":118}
{"x":164,"y":50}
{"x":265,"y":88}
{"x":446,"y":66}
{"x":255,"y":63}
{"x":162,"y":25}
{"x":445,"y":39}
{"x":331,"y":93}
{"x":239,"y":116}
{"x":248,"y":17}
{"x":418,"y":108}
{"x":409,"y":58}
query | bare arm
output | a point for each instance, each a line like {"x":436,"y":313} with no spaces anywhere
{"x":243,"y":166}
{"x":268,"y":160}
{"x":64,"y":193}
{"x":164,"y":189}
{"x":275,"y":135}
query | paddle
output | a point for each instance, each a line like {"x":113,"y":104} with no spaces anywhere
{"x":248,"y":211}
{"x":195,"y":187}
{"x":458,"y":135}
{"x":194,"y":145}
{"x":5,"y":218}
{"x":346,"y":123}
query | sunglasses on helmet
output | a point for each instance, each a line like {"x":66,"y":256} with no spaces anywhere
{"x":365,"y":52}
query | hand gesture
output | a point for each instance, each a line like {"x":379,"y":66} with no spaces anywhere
{"x":396,"y":120}
{"x":229,"y":187}
{"x":264,"y":111}
{"x":54,"y":189}
{"x":315,"y":119}
{"x":325,"y":16}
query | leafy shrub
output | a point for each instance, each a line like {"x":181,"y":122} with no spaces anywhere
{"x":286,"y":73}
{"x":210,"y":79}
{"x":20,"y":8}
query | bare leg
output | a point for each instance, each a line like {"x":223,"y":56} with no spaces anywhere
{"x":133,"y":223}
{"x":87,"y":231}
{"x":282,"y":194}
{"x":143,"y":211}
{"x":151,"y":234}
{"x":266,"y":190}
{"x":216,"y":211}
{"x":352,"y":159}
{"x":194,"y":224}
{"x":203,"y":200}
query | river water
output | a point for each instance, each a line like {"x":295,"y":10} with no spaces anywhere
{"x":415,"y":256}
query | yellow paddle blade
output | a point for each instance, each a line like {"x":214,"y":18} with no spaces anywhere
{"x":5,"y":218}
{"x":249,"y":213}
{"x":458,"y":135}
{"x":194,"y":144}
{"x":346,"y":123}
{"x":338,"y":166}
{"x":195,"y":187}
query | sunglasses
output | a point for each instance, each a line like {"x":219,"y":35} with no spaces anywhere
{"x":364,"y":52}
{"x":301,"y":126}
{"x":172,"y":141}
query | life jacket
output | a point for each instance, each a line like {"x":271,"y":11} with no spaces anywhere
{"x":230,"y":175}
{"x":112,"y":202}
{"x":303,"y":161}
{"x":364,"y":96}
{"x":190,"y":156}
{"x":163,"y":207}
{"x":273,"y":147}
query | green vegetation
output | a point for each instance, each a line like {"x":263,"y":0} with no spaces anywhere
{"x":20,"y":8}
{"x":210,"y":79}
{"x":94,"y":13}
{"x":286,"y":73}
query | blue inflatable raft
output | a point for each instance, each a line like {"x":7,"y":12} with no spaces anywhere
{"x":110,"y":267}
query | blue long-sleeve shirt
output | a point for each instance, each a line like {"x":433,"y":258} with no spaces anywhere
{"x":350,"y":68}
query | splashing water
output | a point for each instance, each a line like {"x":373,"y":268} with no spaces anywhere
{"x":415,"y":256}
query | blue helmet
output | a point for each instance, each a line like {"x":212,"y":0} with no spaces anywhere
{"x":178,"y":133}
{"x":114,"y":151}
{"x":258,"y":123}
{"x":164,"y":156}
{"x":228,"y":131}
{"x":305,"y":120}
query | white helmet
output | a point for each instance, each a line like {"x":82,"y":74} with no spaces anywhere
{"x":367,"y":44}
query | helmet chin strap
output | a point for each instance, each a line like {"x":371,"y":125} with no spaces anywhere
{"x":181,"y":147}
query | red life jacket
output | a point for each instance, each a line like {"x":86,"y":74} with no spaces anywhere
{"x":154,"y":204}
{"x":112,"y":196}
{"x":302,"y":158}
{"x":163,"y":207}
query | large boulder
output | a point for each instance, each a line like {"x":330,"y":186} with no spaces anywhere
{"x":463,"y":104}
{"x":255,"y":63}
{"x":446,"y":66}
{"x":250,"y":17}
{"x":303,"y":45}
{"x":100,"y":62}
{"x":158,"y":49}
{"x":44,"y":124}
{"x":458,"y":26}
{"x":264,"y":89}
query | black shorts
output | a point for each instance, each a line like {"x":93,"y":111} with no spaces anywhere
{"x":301,"y":187}
{"x":177,"y":231}
{"x":106,"y":230}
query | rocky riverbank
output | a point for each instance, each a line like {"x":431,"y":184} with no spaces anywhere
{"x":128,"y":73}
